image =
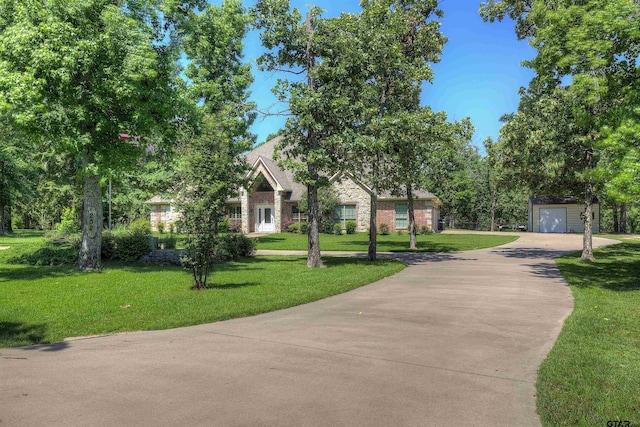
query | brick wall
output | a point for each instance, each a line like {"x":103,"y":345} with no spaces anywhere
{"x":423,"y":212}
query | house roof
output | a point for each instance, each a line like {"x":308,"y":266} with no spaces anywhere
{"x":285,"y":178}
{"x":158,"y":200}
{"x":558,"y":200}
{"x":418,"y":194}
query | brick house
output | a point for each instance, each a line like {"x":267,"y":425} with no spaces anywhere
{"x":271,"y":204}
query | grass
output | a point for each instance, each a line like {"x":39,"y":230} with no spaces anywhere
{"x":592,"y":374}
{"x":359,"y":242}
{"x":49,"y":303}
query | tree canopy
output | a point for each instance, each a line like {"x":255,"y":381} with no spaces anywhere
{"x":77,"y":74}
{"x":587,"y":58}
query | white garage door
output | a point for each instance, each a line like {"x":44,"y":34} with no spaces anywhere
{"x":553,"y":220}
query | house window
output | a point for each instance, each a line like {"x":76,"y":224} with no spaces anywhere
{"x":297,"y":215}
{"x":235,"y":212}
{"x":401,"y":215}
{"x":345,"y":213}
{"x":262,"y":185}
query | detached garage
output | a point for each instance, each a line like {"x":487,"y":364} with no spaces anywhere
{"x":560,"y":215}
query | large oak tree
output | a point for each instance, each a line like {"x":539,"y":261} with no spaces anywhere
{"x":78,"y":73}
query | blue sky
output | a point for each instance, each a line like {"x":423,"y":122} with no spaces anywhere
{"x":478,"y":76}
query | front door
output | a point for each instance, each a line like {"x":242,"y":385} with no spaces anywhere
{"x":266,"y":220}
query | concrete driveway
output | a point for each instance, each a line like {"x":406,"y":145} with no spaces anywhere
{"x":454,"y":339}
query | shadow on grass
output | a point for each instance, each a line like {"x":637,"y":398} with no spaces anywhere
{"x":14,"y":334}
{"x":31,"y":272}
{"x":391,"y":246}
{"x":225,"y":287}
{"x":617,"y":268}
{"x":270,"y":239}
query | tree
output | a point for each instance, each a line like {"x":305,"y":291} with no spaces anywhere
{"x":395,"y":41}
{"x":79,"y":73}
{"x":327,"y":203}
{"x":296,"y":46}
{"x":417,"y":141}
{"x":586,"y":58}
{"x":212,"y":167}
{"x":507,"y":200}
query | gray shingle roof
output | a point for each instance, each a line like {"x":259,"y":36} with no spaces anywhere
{"x":282,"y":176}
{"x":286,"y":179}
{"x":158,"y":200}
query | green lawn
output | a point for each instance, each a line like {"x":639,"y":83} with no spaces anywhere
{"x":592,"y":374}
{"x":48,"y":304}
{"x":359,"y":242}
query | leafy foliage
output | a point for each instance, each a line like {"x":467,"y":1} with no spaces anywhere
{"x":76,"y":74}
{"x":327,"y":203}
{"x":586,"y":70}
{"x":212,"y":168}
{"x":384,"y":229}
{"x":350,"y":227}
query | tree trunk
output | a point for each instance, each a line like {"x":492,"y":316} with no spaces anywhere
{"x":8,"y":227}
{"x":3,"y":229}
{"x":587,"y":244}
{"x":494,"y":203}
{"x":623,"y":219}
{"x":413,"y":241}
{"x":616,"y":223}
{"x":89,"y":257}
{"x":373,"y":229}
{"x":313,"y":250}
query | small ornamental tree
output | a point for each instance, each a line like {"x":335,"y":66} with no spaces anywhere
{"x":212,"y":167}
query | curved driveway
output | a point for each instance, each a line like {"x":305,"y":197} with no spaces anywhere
{"x":454,"y":339}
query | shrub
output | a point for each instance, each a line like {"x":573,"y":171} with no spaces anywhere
{"x":169,"y":242}
{"x":160,"y":228}
{"x":351,"y":227}
{"x":224,"y":225}
{"x":304,"y":227}
{"x":400,"y":232}
{"x":327,"y":227}
{"x":140,"y":225}
{"x":68,"y":224}
{"x":425,"y":229}
{"x":172,"y":228}
{"x":235,"y":227}
{"x":293,"y":228}
{"x":132,"y":244}
{"x":233,"y":246}
{"x":58,"y":250}
{"x":384,"y":229}
{"x":337,"y":229}
{"x":108,"y":245}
